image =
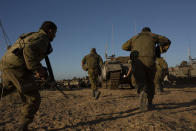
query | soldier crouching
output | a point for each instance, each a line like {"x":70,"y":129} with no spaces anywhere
{"x":21,"y":62}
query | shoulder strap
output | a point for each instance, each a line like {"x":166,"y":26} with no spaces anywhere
{"x":24,"y":35}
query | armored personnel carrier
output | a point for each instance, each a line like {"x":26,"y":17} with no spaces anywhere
{"x":113,"y":71}
{"x":186,"y":71}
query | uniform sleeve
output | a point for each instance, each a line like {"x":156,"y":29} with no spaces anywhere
{"x":127,"y":45}
{"x":165,"y":64}
{"x":32,"y":53}
{"x":164,"y":43}
{"x":84,"y":61}
{"x":100,"y":61}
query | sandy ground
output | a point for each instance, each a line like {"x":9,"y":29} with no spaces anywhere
{"x":116,"y":110}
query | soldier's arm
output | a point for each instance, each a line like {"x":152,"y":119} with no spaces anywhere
{"x":100,"y":61}
{"x":129,"y":71}
{"x":32,"y":54}
{"x":164,"y":43}
{"x":127,"y":45}
{"x":165,"y":63}
{"x":83,"y":61}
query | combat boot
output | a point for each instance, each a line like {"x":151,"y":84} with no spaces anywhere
{"x":97,"y":94}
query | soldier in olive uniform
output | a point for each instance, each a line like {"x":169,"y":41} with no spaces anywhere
{"x":161,"y":72}
{"x":92,"y":63}
{"x":130,"y":76}
{"x":142,"y":47}
{"x":20,"y":64}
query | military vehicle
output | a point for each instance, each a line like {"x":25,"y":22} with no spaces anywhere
{"x":76,"y":83}
{"x":184,"y":72}
{"x":113,"y":71}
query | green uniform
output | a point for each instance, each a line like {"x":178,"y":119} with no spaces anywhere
{"x":161,"y":72}
{"x":143,"y":45}
{"x":92,"y":63}
{"x":18,"y":65}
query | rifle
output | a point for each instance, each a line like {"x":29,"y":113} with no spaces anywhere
{"x":51,"y":75}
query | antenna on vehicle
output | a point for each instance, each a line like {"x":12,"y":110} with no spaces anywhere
{"x":113,"y":40}
{"x":6,"y":38}
{"x":106,"y":52}
{"x":189,"y":53}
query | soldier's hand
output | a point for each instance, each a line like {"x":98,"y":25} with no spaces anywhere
{"x":125,"y":76}
{"x":41,"y":74}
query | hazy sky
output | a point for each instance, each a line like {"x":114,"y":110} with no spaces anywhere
{"x":83,"y":24}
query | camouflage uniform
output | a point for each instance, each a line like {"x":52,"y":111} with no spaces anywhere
{"x":142,"y":46}
{"x":18,"y":65}
{"x":161,"y":72}
{"x":92,"y":63}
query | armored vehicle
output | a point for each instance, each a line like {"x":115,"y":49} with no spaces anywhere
{"x":76,"y":83}
{"x":185,"y":71}
{"x":113,"y":71}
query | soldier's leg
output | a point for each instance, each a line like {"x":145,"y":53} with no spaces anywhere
{"x":96,"y":79}
{"x":93,"y":76}
{"x":151,"y":87}
{"x":7,"y":86}
{"x":157,"y":82}
{"x":28,"y":91}
{"x":140,"y":78}
{"x":157,"y":85}
{"x":91,"y":79}
{"x":31,"y":100}
{"x":31,"y":103}
{"x":162,"y":83}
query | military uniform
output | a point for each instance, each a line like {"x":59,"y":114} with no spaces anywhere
{"x":92,"y":63}
{"x":17,"y":66}
{"x":142,"y":46}
{"x":161,"y":72}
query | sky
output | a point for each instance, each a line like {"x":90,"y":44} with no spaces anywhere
{"x":86,"y":24}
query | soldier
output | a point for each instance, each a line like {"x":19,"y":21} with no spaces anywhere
{"x":21,"y":62}
{"x":92,"y":63}
{"x":161,"y":72}
{"x":142,"y":47}
{"x":130,"y":76}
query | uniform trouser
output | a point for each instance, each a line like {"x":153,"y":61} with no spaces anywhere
{"x":158,"y":81}
{"x":133,"y":83}
{"x":28,"y":91}
{"x":144,"y":77}
{"x":93,"y":77}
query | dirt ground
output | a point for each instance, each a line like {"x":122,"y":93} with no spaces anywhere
{"x":116,"y":110}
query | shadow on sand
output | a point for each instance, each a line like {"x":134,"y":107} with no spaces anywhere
{"x":130,"y":112}
{"x":99,"y":120}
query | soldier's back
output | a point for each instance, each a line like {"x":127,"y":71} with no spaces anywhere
{"x":92,"y":61}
